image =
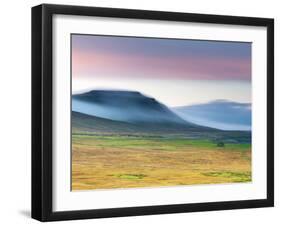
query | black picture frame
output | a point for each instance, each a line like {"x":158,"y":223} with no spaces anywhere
{"x":42,"y":107}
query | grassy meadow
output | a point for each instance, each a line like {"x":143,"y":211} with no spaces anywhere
{"x":119,"y":161}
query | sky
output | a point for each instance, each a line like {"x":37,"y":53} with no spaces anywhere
{"x":177,"y":72}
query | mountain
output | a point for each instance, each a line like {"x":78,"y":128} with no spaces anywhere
{"x":220,"y":114}
{"x":125,"y":106}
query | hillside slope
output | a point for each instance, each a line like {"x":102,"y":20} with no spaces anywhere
{"x":87,"y":123}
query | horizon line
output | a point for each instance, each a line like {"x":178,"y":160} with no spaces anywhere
{"x":149,"y":96}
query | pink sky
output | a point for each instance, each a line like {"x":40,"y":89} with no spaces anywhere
{"x":192,"y":70}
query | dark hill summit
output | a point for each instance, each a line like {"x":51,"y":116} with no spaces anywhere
{"x":126,"y":106}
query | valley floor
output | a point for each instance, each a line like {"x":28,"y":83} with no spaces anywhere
{"x":104,"y":162}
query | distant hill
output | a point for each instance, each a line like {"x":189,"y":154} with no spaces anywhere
{"x":125,"y":106}
{"x":220,"y":114}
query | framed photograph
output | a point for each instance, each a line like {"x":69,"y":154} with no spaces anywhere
{"x":145,"y":112}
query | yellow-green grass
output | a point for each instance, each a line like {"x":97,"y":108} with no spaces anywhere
{"x":104,"y":162}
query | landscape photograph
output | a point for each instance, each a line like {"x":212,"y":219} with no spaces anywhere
{"x":155,"y":112}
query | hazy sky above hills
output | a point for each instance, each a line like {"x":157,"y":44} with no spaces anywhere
{"x":176,"y":72}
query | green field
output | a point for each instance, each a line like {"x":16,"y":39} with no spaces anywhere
{"x":120,"y":161}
